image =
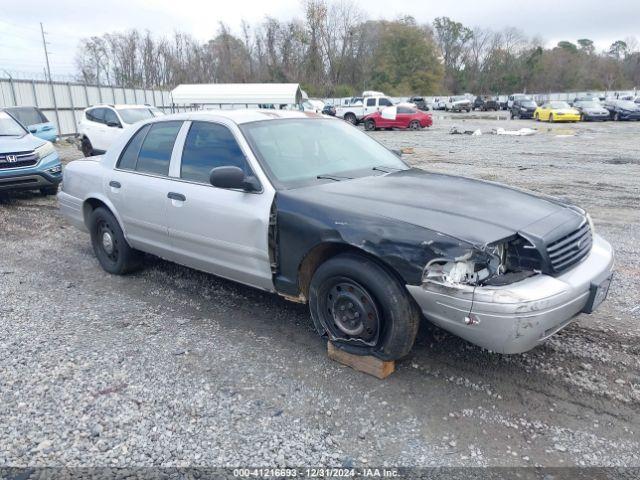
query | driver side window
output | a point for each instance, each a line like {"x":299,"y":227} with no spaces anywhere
{"x":110,"y":118}
{"x":207,"y":146}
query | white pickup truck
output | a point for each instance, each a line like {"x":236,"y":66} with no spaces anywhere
{"x":357,"y":111}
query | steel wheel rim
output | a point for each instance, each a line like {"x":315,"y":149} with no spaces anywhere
{"x":108,"y":241}
{"x":350,"y":312}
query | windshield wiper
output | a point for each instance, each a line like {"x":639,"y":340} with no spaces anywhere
{"x":333,"y":177}
{"x":380,"y":169}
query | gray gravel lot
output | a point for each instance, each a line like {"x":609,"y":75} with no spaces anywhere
{"x":173,"y":367}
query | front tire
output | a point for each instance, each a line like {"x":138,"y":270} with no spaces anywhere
{"x":363,"y":308}
{"x":111,"y":248}
{"x":370,"y":125}
{"x":537,"y":117}
{"x":551,"y":119}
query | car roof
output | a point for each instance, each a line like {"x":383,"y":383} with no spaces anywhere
{"x":240,"y":116}
{"x":118,"y":106}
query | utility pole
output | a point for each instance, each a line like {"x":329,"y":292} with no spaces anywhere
{"x":53,"y":91}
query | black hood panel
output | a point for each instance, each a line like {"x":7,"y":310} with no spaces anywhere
{"x":475,"y":211}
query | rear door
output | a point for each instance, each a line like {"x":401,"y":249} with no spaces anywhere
{"x":403,"y":117}
{"x":139,"y":184}
{"x":95,"y":129}
{"x":221,"y":231}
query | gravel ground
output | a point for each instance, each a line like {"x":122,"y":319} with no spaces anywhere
{"x":172,"y":367}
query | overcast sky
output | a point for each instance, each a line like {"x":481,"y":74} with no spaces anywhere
{"x":69,"y":20}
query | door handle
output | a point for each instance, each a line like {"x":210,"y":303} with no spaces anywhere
{"x":114,"y":184}
{"x":176,"y":196}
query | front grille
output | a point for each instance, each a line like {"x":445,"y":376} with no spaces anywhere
{"x":570,"y":249}
{"x":18,"y":159}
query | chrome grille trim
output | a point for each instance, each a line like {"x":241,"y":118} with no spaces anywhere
{"x":571,"y":248}
{"x":22,"y":159}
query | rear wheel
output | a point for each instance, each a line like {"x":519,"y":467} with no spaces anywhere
{"x":551,"y":119}
{"x":363,"y":308}
{"x":86,"y":147}
{"x":111,"y":248}
{"x":414,"y":125}
{"x":616,"y":117}
{"x":369,"y":125}
{"x":351,"y":118}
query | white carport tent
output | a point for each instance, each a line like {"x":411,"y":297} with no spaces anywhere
{"x":231,"y":95}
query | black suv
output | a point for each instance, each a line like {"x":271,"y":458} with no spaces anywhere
{"x":487,"y":103}
{"x":419,"y":102}
{"x":523,"y":108}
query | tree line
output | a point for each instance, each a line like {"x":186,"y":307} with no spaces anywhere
{"x":334,"y":50}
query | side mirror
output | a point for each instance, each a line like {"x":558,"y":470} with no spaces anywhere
{"x":33,"y":130}
{"x":233,"y":178}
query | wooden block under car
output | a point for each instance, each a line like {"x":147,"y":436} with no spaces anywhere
{"x":367,"y":364}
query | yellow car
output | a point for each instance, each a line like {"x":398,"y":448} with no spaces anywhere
{"x":556,"y":111}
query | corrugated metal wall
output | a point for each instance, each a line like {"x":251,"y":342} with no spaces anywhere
{"x":72,"y":98}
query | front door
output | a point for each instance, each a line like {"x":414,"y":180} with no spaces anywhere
{"x":217,"y":230}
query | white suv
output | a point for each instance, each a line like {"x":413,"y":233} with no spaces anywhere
{"x":102,"y":124}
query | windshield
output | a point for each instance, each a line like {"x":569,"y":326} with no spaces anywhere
{"x":294,"y":152}
{"x":559,"y":105}
{"x":27,"y":116}
{"x":628,"y":104}
{"x":133,"y":115}
{"x":527,"y":103}
{"x":588,"y":104}
{"x":9,"y":127}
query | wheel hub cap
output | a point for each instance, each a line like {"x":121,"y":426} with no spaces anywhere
{"x":107,"y":242}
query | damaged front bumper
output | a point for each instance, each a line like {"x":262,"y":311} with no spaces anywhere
{"x":517,"y":317}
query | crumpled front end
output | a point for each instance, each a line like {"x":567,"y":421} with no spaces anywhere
{"x":507,"y":308}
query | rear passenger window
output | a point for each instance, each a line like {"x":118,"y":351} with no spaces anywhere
{"x":155,"y":154}
{"x":129,"y":155}
{"x":207,"y":146}
{"x":371,"y":102}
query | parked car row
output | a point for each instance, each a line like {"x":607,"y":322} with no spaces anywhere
{"x":581,"y":109}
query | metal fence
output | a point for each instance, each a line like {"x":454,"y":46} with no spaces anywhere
{"x":63,"y":102}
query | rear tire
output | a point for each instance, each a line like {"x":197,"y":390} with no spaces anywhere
{"x":551,"y":119}
{"x":86,"y":147}
{"x":363,"y":308}
{"x":111,"y":248}
{"x":414,"y":125}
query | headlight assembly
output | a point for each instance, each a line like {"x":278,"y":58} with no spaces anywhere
{"x":593,"y":229}
{"x":44,"y":150}
{"x":472,"y":268}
